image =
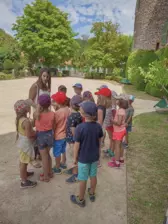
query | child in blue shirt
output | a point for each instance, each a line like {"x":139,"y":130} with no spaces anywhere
{"x":87,"y":145}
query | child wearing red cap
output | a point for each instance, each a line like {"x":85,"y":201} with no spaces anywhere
{"x":25,"y":139}
{"x":61,"y":115}
{"x":44,"y":123}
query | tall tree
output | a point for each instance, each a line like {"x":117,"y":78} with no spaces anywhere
{"x":45,"y":32}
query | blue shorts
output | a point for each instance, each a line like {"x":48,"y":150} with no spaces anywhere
{"x":86,"y":170}
{"x":59,"y":147}
{"x":129,"y":128}
{"x":45,"y":139}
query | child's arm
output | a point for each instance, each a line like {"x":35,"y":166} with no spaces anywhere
{"x":100,"y":117}
{"x":76,"y":152}
{"x":28,"y":129}
{"x":119,"y":120}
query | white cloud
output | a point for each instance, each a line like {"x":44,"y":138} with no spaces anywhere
{"x":79,"y":15}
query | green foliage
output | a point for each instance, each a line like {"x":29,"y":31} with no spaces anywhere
{"x":114,"y":78}
{"x":157,"y":74}
{"x":154,"y":91}
{"x":8,"y":65}
{"x":94,"y":75}
{"x":45,"y":32}
{"x":4,"y":76}
{"x":136,"y":78}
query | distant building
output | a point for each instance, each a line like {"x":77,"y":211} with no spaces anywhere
{"x":151,"y":24}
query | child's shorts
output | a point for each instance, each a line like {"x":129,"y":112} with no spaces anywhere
{"x":129,"y":128}
{"x":24,"y":157}
{"x":111,"y":129}
{"x":86,"y":170}
{"x":118,"y":136}
{"x":59,"y":147}
{"x":45,"y":139}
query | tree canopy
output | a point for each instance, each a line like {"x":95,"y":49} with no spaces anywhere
{"x":45,"y":32}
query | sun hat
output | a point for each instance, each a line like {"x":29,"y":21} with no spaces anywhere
{"x":102,"y":87}
{"x":22,"y":106}
{"x":76,"y":100}
{"x":89,"y":108}
{"x":44,"y":100}
{"x":59,"y":97}
{"x":78,"y":85}
{"x":132,"y":98}
{"x":104,"y":92}
{"x":122,"y":97}
{"x":87,"y":94}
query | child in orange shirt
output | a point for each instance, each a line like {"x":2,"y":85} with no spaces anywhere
{"x":44,"y":123}
{"x":61,"y":115}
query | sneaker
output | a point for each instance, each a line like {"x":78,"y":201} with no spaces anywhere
{"x":114,"y":165}
{"x":73,"y":179}
{"x":57,"y":170}
{"x":121,"y":161}
{"x":75,"y":199}
{"x":28,"y":184}
{"x":111,"y":154}
{"x":68,"y":171}
{"x":63,"y":166}
{"x":92,"y":197}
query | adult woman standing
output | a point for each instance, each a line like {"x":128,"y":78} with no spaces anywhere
{"x":41,"y":86}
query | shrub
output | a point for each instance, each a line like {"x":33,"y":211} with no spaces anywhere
{"x":4,"y":76}
{"x":8,"y":65}
{"x":162,"y":53}
{"x":154,"y":91}
{"x":65,"y":73}
{"x":94,"y":75}
{"x":136,"y":78}
{"x":114,"y":78}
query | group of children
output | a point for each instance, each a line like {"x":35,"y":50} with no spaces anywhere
{"x":82,"y":124}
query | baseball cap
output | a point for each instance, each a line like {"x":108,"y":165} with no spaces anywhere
{"x":89,"y":108}
{"x":78,"y":85}
{"x":104,"y":92}
{"x":44,"y":100}
{"x":87,"y":94}
{"x":122,"y":97}
{"x":76,"y":100}
{"x":59,"y":97}
{"x":132,"y":98}
{"x":102,"y":87}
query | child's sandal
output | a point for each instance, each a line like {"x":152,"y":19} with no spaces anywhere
{"x":44,"y":179}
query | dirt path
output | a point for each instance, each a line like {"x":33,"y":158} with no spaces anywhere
{"x":49,"y":202}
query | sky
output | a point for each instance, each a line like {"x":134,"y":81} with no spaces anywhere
{"x":82,"y":13}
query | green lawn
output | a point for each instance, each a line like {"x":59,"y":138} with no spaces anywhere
{"x":147,"y":169}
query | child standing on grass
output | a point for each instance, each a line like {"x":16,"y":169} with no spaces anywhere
{"x":44,"y":123}
{"x":129,"y":116}
{"x":119,"y":132}
{"x":87,"y":152}
{"x":61,"y":115}
{"x":73,"y":121}
{"x":25,"y":139}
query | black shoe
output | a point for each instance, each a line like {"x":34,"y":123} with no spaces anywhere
{"x":28,"y":184}
{"x":75,"y":200}
{"x":92,"y":197}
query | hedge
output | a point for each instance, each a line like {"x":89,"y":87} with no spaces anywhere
{"x":4,"y":76}
{"x":139,"y":58}
{"x":154,"y":91}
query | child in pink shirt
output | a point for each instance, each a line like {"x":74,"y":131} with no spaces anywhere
{"x":119,"y":132}
{"x":44,"y":123}
{"x":61,"y":115}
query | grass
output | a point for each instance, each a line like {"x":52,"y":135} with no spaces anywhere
{"x":130,"y":89}
{"x":147,"y":170}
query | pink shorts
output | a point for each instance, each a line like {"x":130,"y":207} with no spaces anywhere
{"x":118,"y":136}
{"x":110,"y":129}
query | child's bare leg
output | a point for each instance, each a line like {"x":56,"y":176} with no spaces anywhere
{"x":58,"y":162}
{"x":75,"y":170}
{"x":50,"y":162}
{"x":23,"y":171}
{"x":82,"y":189}
{"x":121,"y":152}
{"x":126,"y":138}
{"x":93,"y":183}
{"x":117,"y":150}
{"x":63,"y":158}
{"x":45,"y":162}
{"x":112,"y":145}
{"x":110,"y":139}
